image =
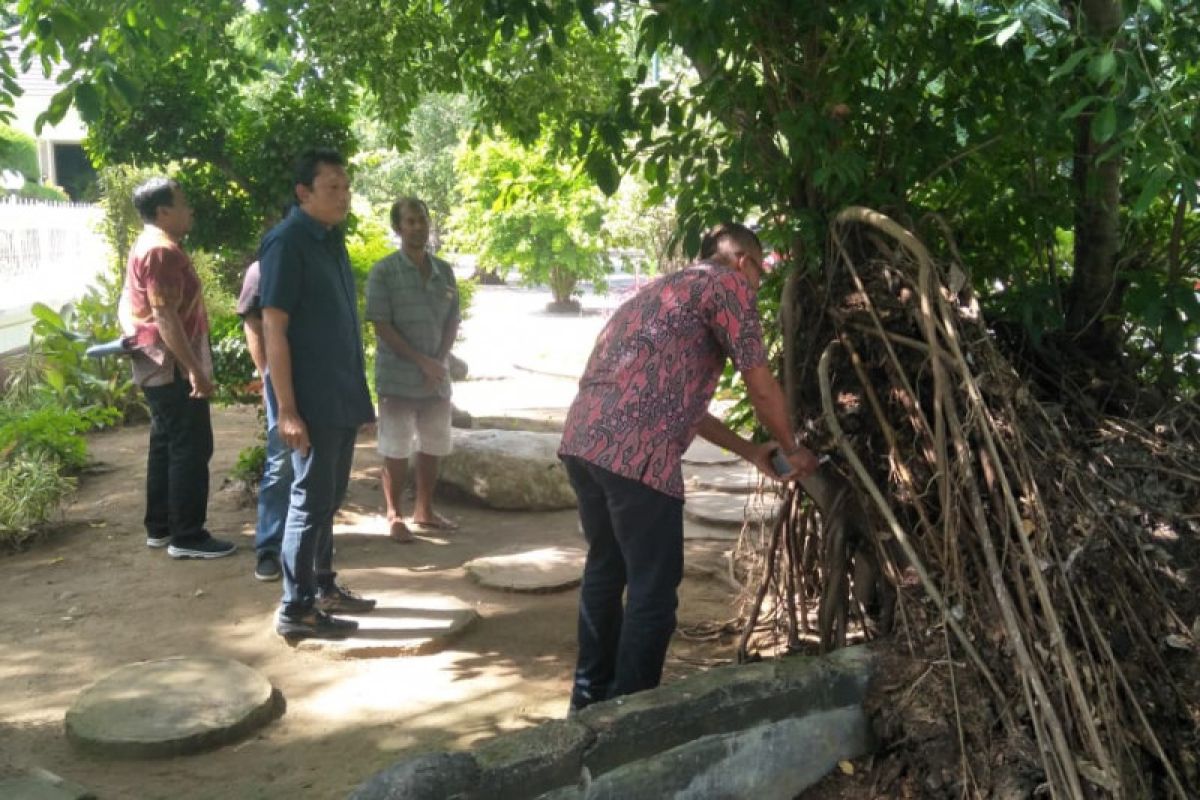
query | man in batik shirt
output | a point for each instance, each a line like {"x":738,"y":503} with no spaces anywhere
{"x":162,"y":314}
{"x":642,"y":399}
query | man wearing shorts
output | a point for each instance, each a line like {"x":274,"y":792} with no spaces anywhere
{"x":412,"y":300}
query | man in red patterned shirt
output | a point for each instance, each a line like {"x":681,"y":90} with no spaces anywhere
{"x":162,"y":312}
{"x":642,"y":399}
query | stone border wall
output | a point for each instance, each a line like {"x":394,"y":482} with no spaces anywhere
{"x":766,"y":730}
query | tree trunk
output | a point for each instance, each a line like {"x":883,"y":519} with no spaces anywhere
{"x":1094,"y":294}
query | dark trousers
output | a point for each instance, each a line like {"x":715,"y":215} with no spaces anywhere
{"x":181,"y":443}
{"x":318,"y":488}
{"x":635,"y":547}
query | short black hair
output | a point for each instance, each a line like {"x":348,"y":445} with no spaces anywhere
{"x":727,"y":230}
{"x":152,"y":195}
{"x":311,"y":160}
{"x":403,"y":203}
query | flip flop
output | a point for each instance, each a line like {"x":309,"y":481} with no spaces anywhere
{"x":400,"y":533}
{"x":438,"y":524}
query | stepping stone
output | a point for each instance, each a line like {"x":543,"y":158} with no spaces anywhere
{"x":731,"y":510}
{"x":401,"y":625}
{"x":737,"y":478}
{"x":509,"y":470}
{"x":703,"y":451}
{"x":171,"y":707}
{"x":548,"y":569}
{"x":42,"y":785}
{"x":701,"y":530}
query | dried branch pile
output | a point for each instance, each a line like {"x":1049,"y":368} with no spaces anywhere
{"x":986,"y":525}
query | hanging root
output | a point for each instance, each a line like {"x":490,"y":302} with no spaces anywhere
{"x":960,"y":505}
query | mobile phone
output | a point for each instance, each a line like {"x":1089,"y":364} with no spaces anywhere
{"x":780,"y":464}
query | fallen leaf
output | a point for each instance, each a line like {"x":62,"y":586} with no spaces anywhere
{"x":846,"y":767}
{"x":97,"y":524}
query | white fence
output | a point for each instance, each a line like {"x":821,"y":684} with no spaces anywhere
{"x":49,"y":253}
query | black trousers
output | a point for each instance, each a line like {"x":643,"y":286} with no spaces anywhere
{"x":181,"y":444}
{"x":628,"y":596}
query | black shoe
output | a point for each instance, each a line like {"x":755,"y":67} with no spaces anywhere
{"x":208,"y":548}
{"x":267,"y":568}
{"x":339,"y":598}
{"x":314,"y":624}
{"x":158,"y":542}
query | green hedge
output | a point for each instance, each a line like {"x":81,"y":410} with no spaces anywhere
{"x":18,"y":151}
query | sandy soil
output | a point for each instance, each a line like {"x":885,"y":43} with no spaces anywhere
{"x":91,"y":597}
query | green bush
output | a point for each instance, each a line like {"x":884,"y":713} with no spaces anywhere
{"x":46,"y":431}
{"x":18,"y":151}
{"x":58,"y":371}
{"x":233,"y":369}
{"x":31,"y":489}
{"x":121,"y":224}
{"x":36,"y":191}
{"x":249,"y":465}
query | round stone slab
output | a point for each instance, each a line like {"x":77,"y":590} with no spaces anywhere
{"x":703,"y":451}
{"x":723,"y":508}
{"x":547,"y":569}
{"x":701,"y":530}
{"x":171,"y":707}
{"x":738,"y":477}
{"x":400,"y":625}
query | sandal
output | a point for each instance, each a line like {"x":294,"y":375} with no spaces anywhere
{"x":399,"y":532}
{"x":437,"y":524}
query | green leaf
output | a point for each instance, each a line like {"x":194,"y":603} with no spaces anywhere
{"x":1078,"y":108}
{"x":87,"y":100}
{"x":1008,"y":32}
{"x":1102,"y":66}
{"x":1068,"y":66}
{"x":1105,"y":123}
{"x":46,"y":314}
{"x":603,"y":171}
{"x":1155,"y":182}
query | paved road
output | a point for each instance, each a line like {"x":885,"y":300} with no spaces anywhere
{"x":523,"y":360}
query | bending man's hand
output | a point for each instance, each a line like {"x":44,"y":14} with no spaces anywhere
{"x":804,"y":463}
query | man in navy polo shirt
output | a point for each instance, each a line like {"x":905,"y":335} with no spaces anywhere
{"x":318,"y":378}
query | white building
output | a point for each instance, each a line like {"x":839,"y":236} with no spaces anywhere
{"x":60,"y":152}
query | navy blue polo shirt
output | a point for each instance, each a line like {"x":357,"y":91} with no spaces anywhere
{"x":305,"y":271}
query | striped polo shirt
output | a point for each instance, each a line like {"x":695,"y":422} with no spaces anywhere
{"x":420,"y":311}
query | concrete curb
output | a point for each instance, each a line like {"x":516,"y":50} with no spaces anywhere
{"x":762,"y":730}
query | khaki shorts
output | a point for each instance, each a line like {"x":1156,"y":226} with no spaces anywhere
{"x":403,"y":422}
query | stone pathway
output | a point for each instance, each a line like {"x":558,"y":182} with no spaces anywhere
{"x":705,"y":453}
{"x":400,"y":625}
{"x":40,"y":784}
{"x":713,"y":507}
{"x":170,"y":707}
{"x":548,"y":569}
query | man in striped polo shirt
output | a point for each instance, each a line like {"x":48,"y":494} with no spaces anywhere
{"x":412,"y":299}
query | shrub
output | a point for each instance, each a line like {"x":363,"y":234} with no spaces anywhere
{"x":120,"y":225}
{"x":68,"y":377}
{"x":18,"y":151}
{"x":249,"y":466}
{"x":46,"y":431}
{"x":31,"y":489}
{"x":233,"y":369}
{"x":37,"y":191}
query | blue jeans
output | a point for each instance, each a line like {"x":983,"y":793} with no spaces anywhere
{"x":273,"y":493}
{"x":319,"y":486}
{"x":635,"y":546}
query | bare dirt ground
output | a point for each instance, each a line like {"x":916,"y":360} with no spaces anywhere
{"x":91,"y":597}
